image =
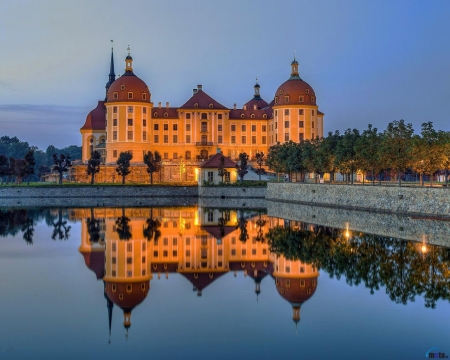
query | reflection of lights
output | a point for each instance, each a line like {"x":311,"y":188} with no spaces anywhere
{"x":347,"y":233}
{"x":196,"y":219}
{"x":424,"y":248}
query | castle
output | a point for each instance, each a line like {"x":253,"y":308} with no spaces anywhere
{"x":127,"y":120}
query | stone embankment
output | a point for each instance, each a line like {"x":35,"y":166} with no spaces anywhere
{"x":387,"y":199}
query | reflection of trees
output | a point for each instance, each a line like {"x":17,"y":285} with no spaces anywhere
{"x":222,"y":221}
{"x":14,"y":220}
{"x":60,"y":227}
{"x":151,"y":230}
{"x":123,"y":227}
{"x":374,"y":260}
{"x":242,"y":226}
{"x":260,"y":223}
{"x":28,"y":231}
{"x":93,"y":228}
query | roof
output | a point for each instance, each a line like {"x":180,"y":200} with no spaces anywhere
{"x":291,"y":90}
{"x":95,"y":261}
{"x":215,"y":230}
{"x":96,"y":118}
{"x":202,"y":279}
{"x":129,"y":83}
{"x":247,"y":114}
{"x":129,"y":299}
{"x":293,"y":291}
{"x":214,"y":162}
{"x":258,"y":101}
{"x":203,"y":101}
{"x":320,"y":112}
{"x":161,"y":112}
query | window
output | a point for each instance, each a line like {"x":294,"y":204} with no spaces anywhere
{"x":264,"y":140}
{"x":114,"y":153}
{"x":253,"y":128}
{"x":244,"y":252}
{"x":219,"y":127}
{"x":116,"y":95}
{"x":188,"y":116}
{"x":233,"y":252}
{"x":210,"y":179}
{"x":227,"y":177}
{"x":300,"y":112}
{"x":156,"y":127}
{"x":219,"y":116}
{"x":114,"y":260}
{"x":253,"y":139}
{"x":175,"y":127}
{"x":174,"y":253}
{"x":301,"y":124}
{"x":156,"y":139}
{"x":114,"y":135}
{"x":166,"y":127}
{"x":276,"y":99}
{"x":129,"y":260}
{"x":130,"y":122}
{"x":188,"y":241}
{"x":312,"y":112}
{"x":144,"y":97}
{"x":155,"y":114}
{"x":115,"y":109}
{"x":244,"y":140}
{"x":130,"y":135}
{"x":307,"y":91}
{"x":286,"y":137}
{"x":264,"y":128}
{"x":276,"y":112}
{"x":204,"y":126}
{"x":155,"y":254}
{"x":144,"y":122}
{"x":175,"y":156}
{"x":233,"y":127}
{"x":233,"y":139}
{"x":312,"y":99}
{"x":243,"y":127}
{"x":204,"y":116}
{"x":165,"y":241}
{"x":144,"y":136}
{"x":175,"y":139}
{"x":188,"y":139}
{"x":301,"y":99}
{"x":210,"y":216}
{"x":286,"y":99}
{"x":166,"y":157}
{"x":188,"y":252}
{"x":166,"y":139}
{"x":130,"y":110}
{"x":114,"y":122}
{"x":187,"y":155}
{"x":130,"y":95}
{"x":144,"y":247}
{"x":288,"y":269}
{"x":286,"y":124}
{"x":286,"y":112}
{"x":188,"y":127}
{"x":166,"y":114}
{"x":312,"y":125}
{"x":276,"y":125}
{"x":219,"y":139}
{"x":165,"y":253}
{"x":219,"y":252}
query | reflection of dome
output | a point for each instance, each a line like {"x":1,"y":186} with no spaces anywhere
{"x":201,"y":280}
{"x":95,"y":261}
{"x":127,"y":295}
{"x":96,"y":118}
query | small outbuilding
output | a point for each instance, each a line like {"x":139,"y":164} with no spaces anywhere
{"x":208,"y":173}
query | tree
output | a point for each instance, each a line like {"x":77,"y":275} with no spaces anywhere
{"x":11,"y":169}
{"x":260,"y":157}
{"x":93,"y":165}
{"x":123,"y":164}
{"x":274,"y":160}
{"x":396,"y":147}
{"x":4,"y":167}
{"x":153,"y":162}
{"x":221,"y":171}
{"x":367,"y":149}
{"x":20,"y":170}
{"x":241,"y":166}
{"x":62,"y":164}
{"x":346,"y":159}
{"x":30,"y":163}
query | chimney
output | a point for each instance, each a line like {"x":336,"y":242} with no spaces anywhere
{"x":167,"y":105}
{"x":255,"y":107}
{"x":199,"y":87}
{"x":194,"y":91}
{"x":159,"y":104}
{"x":234,"y":106}
{"x":245,"y":107}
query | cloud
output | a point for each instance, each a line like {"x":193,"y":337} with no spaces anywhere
{"x":43,"y":125}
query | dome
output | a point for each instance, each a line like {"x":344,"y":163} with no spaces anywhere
{"x":96,"y":118}
{"x":124,"y":297}
{"x":296,"y":290}
{"x":295,"y":91}
{"x":128,"y":84}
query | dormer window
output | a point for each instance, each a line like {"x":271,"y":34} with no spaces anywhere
{"x":122,"y":87}
{"x":286,"y":99}
{"x":307,"y":91}
{"x":242,"y":116}
{"x":211,"y":106}
{"x":264,"y":116}
{"x":252,"y":116}
{"x":281,"y":92}
{"x":276,"y":99}
{"x":196,"y":105}
{"x":144,"y":96}
{"x":312,"y":99}
{"x":130,"y":95}
{"x":301,"y":98}
{"x":116,"y":95}
{"x":166,"y":114}
{"x":155,"y":114}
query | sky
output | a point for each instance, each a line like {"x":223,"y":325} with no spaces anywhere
{"x":367,"y":61}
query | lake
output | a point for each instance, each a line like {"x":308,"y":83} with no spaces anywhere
{"x":196,"y":282}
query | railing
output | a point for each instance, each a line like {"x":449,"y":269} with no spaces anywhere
{"x":204,"y":143}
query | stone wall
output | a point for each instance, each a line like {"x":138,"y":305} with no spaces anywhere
{"x":390,"y":199}
{"x":433,"y":231}
{"x":232,"y":192}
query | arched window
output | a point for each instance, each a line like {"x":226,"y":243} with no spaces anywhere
{"x":312,"y":99}
{"x":116,"y":95}
{"x":253,"y":116}
{"x":155,"y":114}
{"x":196,"y":105}
{"x":242,"y":116}
{"x":307,"y":91}
{"x":122,"y":87}
{"x":264,"y":116}
{"x":144,"y":96}
{"x":166,"y":114}
{"x":130,"y":95}
{"x":301,"y":98}
{"x":211,"y":106}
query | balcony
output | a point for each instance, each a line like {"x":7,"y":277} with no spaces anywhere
{"x":204,"y":143}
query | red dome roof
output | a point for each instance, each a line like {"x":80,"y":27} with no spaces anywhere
{"x":296,"y":290}
{"x":96,"y":118}
{"x":293,"y":89}
{"x":126,"y":84}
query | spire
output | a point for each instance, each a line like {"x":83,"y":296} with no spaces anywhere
{"x":128,"y":62}
{"x":257,"y":95}
{"x":109,"y":305}
{"x":112,"y":75}
{"x":294,"y":66}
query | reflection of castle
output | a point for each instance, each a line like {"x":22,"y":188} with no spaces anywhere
{"x":200,"y":244}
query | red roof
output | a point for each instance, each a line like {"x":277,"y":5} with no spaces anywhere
{"x":259,"y":114}
{"x":214,"y":162}
{"x":96,"y":118}
{"x":161,"y":112}
{"x":203,"y":101}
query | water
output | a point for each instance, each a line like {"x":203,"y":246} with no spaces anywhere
{"x":72,"y":288}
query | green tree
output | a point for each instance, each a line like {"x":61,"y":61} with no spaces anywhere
{"x":396,"y":147}
{"x":30,"y":163}
{"x":241,"y":166}
{"x":20,"y":170}
{"x":62,"y":164}
{"x":346,"y":156}
{"x":367,"y":150}
{"x":260,"y":157}
{"x":275,"y":161}
{"x":153,"y":162}
{"x":123,"y":164}
{"x":93,"y":165}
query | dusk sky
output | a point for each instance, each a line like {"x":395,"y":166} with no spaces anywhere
{"x":368,"y":61}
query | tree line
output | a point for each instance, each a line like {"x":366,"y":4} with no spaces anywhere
{"x":396,"y":151}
